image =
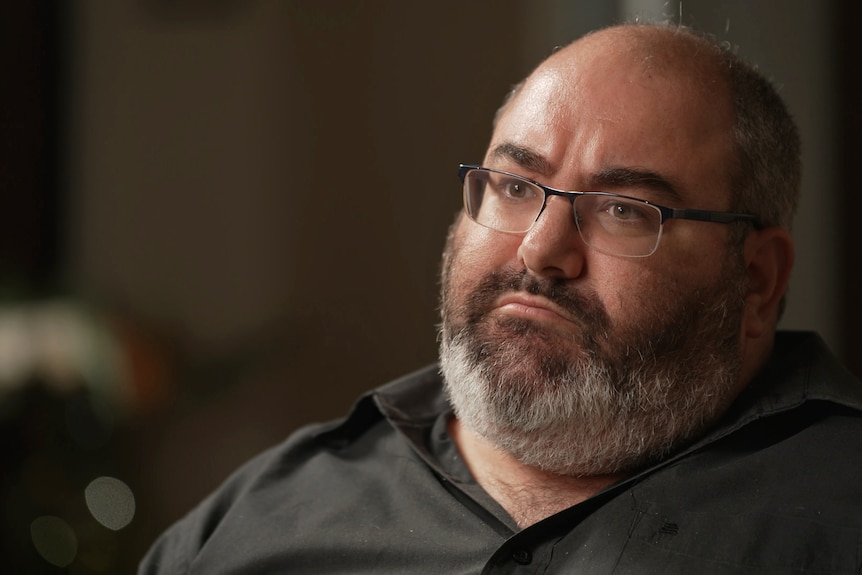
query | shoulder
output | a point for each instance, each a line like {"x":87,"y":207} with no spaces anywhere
{"x":316,"y":467}
{"x":176,"y":548}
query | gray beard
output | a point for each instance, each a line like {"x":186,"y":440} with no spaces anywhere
{"x":610,"y":400}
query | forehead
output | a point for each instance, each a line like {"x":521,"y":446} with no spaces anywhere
{"x":625,"y":100}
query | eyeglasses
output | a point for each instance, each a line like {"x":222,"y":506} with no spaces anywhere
{"x":613,"y":224}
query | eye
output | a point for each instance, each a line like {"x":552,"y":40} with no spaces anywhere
{"x":512,"y":190}
{"x":515,"y":189}
{"x":619,"y":213}
{"x":624,"y":211}
{"x":620,"y":210}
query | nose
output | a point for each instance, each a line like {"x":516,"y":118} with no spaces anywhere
{"x":553,"y":247}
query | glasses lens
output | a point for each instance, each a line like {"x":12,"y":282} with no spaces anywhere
{"x":500,"y":201}
{"x":618,"y":226}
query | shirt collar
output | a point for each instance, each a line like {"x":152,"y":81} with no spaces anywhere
{"x":800,"y":369}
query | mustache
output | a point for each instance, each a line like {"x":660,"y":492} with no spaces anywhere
{"x":584,"y":306}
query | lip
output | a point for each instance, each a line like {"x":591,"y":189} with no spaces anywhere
{"x":533,"y":307}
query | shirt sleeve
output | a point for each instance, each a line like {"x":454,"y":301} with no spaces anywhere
{"x":171,"y":553}
{"x":175,"y":551}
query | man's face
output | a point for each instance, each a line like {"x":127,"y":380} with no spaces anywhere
{"x":576,"y":361}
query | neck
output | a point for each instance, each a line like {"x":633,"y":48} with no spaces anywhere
{"x":527,"y":493}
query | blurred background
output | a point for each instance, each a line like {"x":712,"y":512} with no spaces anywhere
{"x":222,"y":219}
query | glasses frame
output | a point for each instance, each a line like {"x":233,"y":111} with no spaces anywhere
{"x":667,"y":213}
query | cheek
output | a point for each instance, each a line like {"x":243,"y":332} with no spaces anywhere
{"x":627,"y":289}
{"x":694,"y":249}
{"x":479,"y":251}
{"x":473,"y":253}
{"x":632,"y":290}
{"x":641,"y":290}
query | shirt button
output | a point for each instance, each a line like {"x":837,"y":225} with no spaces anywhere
{"x":522,"y":556}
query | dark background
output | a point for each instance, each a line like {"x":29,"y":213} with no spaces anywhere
{"x":243,"y":205}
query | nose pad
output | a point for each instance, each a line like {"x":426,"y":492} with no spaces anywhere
{"x":553,"y":246}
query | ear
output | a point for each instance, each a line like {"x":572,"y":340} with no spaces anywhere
{"x":769,"y":256}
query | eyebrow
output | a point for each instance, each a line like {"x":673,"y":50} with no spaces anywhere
{"x":605,"y":180}
{"x":614,"y":178}
{"x":522,"y":156}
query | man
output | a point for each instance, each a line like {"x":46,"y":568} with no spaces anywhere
{"x":614,"y":397}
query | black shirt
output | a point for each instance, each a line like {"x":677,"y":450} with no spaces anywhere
{"x":776,"y":487}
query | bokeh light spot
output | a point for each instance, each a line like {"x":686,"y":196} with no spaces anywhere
{"x":54,"y":540}
{"x":111,"y":502}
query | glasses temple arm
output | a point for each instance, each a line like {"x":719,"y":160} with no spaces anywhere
{"x":709,"y":216}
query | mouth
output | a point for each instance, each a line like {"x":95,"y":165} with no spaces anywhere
{"x":532,"y":307}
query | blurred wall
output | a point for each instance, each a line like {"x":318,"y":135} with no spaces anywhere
{"x":266,"y":186}
{"x":280,"y":169}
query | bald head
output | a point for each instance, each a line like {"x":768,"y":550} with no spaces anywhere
{"x":658,"y":50}
{"x":628,"y":99}
{"x":765,"y":168}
